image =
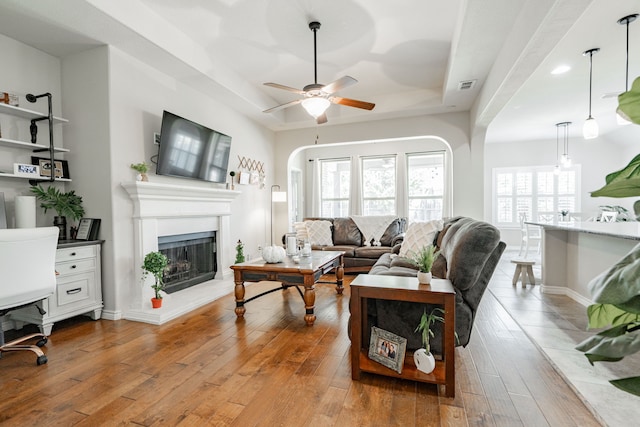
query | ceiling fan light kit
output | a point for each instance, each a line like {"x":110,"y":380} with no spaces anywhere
{"x":590,"y":130}
{"x":318,"y":97}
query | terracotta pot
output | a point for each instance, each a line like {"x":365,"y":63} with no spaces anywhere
{"x":156,"y":302}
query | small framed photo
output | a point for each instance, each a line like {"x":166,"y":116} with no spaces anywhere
{"x":254,"y":178}
{"x":244,"y":178}
{"x":25,"y":170}
{"x":61,"y":167}
{"x":387,"y":349}
{"x":88,"y":229}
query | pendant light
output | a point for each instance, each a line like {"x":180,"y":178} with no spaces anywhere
{"x":565,"y":160}
{"x":590,"y":128}
{"x":626,"y":21}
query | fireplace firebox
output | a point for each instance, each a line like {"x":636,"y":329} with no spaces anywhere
{"x":192,"y":259}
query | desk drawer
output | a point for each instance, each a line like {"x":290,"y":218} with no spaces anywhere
{"x":79,"y":266}
{"x":73,"y":289}
{"x":69,"y":254}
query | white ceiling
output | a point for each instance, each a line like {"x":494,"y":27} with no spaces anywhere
{"x":408,"y":55}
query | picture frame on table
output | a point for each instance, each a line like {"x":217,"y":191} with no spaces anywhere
{"x":88,"y":229}
{"x":387,"y":349}
{"x":61,"y":167}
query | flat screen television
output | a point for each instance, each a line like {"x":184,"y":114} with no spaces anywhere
{"x":190,"y":150}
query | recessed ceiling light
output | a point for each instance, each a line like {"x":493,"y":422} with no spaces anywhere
{"x":560,"y":69}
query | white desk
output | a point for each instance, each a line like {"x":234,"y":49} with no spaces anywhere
{"x":573,"y":253}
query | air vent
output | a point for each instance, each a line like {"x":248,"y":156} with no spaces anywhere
{"x":466,"y":84}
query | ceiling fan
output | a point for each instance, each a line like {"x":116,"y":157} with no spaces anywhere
{"x":318,"y":97}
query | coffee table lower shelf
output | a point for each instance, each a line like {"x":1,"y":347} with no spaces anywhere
{"x":409,"y":370}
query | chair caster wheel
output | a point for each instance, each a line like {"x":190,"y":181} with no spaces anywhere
{"x":41,"y":360}
{"x":42,"y":342}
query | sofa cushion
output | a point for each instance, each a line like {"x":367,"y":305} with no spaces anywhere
{"x":419,"y":234}
{"x":346,"y":232}
{"x":466,"y":247}
{"x":393,"y":230}
{"x":349,"y":250}
{"x":319,"y":233}
{"x":373,"y":252}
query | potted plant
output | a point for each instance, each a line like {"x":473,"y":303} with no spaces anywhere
{"x":239,"y":252}
{"x":423,"y":259}
{"x":65,"y":204}
{"x":422,"y":357}
{"x":142,"y":169}
{"x":154,"y":263}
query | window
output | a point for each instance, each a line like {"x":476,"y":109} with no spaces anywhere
{"x":534,"y":191}
{"x":425,"y":186}
{"x":379,"y":185}
{"x":335,"y":179}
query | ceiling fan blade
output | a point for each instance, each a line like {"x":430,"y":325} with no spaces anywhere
{"x":290,"y":89}
{"x":352,"y":103}
{"x":321,"y":119}
{"x":339,"y":84}
{"x":281,"y":106}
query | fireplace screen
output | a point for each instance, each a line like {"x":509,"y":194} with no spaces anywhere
{"x":192,"y":259}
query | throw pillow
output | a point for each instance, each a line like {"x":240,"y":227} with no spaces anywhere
{"x":319,"y":233}
{"x":301,"y":231}
{"x":419,"y":234}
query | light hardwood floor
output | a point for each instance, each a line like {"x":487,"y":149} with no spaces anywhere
{"x":271,"y":369}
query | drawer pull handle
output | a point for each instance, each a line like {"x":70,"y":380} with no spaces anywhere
{"x":73,"y":266}
{"x":73,"y":254}
{"x":73,"y":291}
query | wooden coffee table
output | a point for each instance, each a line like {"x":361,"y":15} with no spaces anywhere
{"x":305,"y":273}
{"x":439,"y":292}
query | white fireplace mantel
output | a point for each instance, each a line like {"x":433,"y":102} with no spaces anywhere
{"x":166,"y":209}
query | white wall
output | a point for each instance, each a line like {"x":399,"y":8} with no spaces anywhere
{"x":27,"y":70}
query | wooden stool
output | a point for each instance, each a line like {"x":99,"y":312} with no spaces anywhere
{"x":524,"y":268}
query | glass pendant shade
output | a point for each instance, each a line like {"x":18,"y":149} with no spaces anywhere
{"x":316,"y":106}
{"x":556,"y":170}
{"x":590,"y":129}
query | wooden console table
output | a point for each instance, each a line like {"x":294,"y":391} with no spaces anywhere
{"x":397,"y":288}
{"x":304,"y":273}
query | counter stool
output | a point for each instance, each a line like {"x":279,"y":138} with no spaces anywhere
{"x":524,"y":268}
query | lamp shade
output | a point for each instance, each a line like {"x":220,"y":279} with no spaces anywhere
{"x":278,"y":196}
{"x":590,"y":129}
{"x":316,"y":106}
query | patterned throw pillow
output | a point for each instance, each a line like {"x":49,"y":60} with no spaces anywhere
{"x":319,"y":233}
{"x":419,"y":234}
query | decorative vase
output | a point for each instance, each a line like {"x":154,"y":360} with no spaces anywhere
{"x":273,"y":254}
{"x":142,"y":177}
{"x":61,"y":223}
{"x":425,"y":362}
{"x":156,"y":302}
{"x":424,"y":278}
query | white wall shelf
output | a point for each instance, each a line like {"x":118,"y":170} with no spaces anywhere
{"x":42,"y":178}
{"x":26,"y":114}
{"x":21,"y":144}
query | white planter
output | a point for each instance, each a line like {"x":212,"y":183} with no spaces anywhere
{"x":425,"y":362}
{"x":424,"y":278}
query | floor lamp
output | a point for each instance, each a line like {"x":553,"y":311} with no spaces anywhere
{"x":277,"y":196}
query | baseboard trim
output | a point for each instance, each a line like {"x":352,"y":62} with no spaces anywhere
{"x":561,"y":290}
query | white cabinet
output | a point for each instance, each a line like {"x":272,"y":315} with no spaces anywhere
{"x":44,"y":148}
{"x":78,"y":289}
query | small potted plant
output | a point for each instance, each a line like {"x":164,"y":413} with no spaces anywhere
{"x":239,"y":252}
{"x":65,"y":204}
{"x":423,"y":259}
{"x":154,"y":263}
{"x":142,"y":169}
{"x":422,"y":357}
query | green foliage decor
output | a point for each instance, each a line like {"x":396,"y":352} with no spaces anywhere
{"x":65,"y":204}
{"x":239,"y":252}
{"x":622,"y":183}
{"x":140,"y":167}
{"x":424,"y":258}
{"x":424,"y":327}
{"x":154,"y":263}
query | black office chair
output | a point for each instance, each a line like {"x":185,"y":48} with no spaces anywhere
{"x":27,"y":265}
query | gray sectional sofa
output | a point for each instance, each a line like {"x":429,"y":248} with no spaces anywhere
{"x":347,"y":237}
